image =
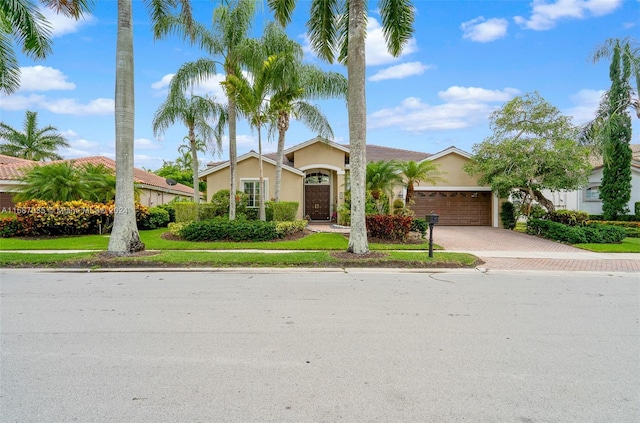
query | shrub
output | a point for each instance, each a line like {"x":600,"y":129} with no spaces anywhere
{"x":592,"y":234}
{"x":569,"y":217}
{"x":157,"y":218}
{"x":631,"y":228}
{"x":508,"y":215}
{"x":636,"y":209}
{"x":284,"y":229}
{"x":220,"y":202}
{"x":169,"y":207}
{"x":390,"y":227}
{"x":420,"y":225}
{"x":189,"y":211}
{"x":223,"y":229}
{"x":284,"y":211}
{"x":10,"y":227}
{"x":175,"y":228}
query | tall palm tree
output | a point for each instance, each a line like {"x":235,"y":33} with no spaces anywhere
{"x":251,"y":97}
{"x":184,"y":162}
{"x":23,"y":23}
{"x":339,"y":26}
{"x":232,"y":20}
{"x":296,"y":84}
{"x":33,"y":143}
{"x":416,"y":172}
{"x":125,"y":238}
{"x":195,"y":113}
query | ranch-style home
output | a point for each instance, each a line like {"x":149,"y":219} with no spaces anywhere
{"x":315,"y":174}
{"x":152,"y":189}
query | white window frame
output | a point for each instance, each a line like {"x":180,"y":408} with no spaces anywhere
{"x":265,"y":184}
{"x":588,"y":190}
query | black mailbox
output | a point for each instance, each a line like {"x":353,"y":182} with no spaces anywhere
{"x":432,"y":218}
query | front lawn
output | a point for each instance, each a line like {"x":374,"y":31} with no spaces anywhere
{"x":628,"y":245}
{"x":153,"y":241}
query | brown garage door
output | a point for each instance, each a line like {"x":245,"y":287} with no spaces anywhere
{"x":470,"y":208}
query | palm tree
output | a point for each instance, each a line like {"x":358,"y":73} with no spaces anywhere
{"x":381,"y":177}
{"x":24,"y":24}
{"x":296,"y":84}
{"x":125,"y":238}
{"x":195,"y":113}
{"x":184,"y":162}
{"x":231,"y":22}
{"x":251,"y":97}
{"x":67,"y":181}
{"x":33,"y":143}
{"x":339,"y":26}
{"x":416,"y":172}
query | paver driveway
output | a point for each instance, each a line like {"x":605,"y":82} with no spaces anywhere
{"x":502,"y":249}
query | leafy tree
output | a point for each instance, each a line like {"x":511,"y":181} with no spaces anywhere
{"x":416,"y":172}
{"x":195,"y":112}
{"x":125,"y":238}
{"x":22,"y":23}
{"x":67,"y":182}
{"x":33,"y":143}
{"x":614,"y":134}
{"x":338,"y":27}
{"x":231,"y":22}
{"x":533,"y":147}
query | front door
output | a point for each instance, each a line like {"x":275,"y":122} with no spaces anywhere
{"x":316,"y":202}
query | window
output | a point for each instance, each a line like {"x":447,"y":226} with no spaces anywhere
{"x":316,"y":178}
{"x":592,"y":194}
{"x":252,"y":189}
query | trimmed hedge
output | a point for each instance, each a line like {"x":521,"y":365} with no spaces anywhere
{"x":223,"y":229}
{"x":588,"y":234}
{"x":188,"y":211}
{"x":508,"y":215}
{"x":284,"y":211}
{"x":391,"y":227}
{"x":158,"y":218}
{"x":284,"y":229}
{"x":632,"y":228}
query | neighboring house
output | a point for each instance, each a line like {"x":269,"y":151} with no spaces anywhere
{"x":588,"y":199}
{"x":315,"y":174}
{"x":153,"y":189}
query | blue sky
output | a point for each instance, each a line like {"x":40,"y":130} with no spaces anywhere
{"x":466,"y":59}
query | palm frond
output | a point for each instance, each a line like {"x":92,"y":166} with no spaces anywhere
{"x":397,"y":23}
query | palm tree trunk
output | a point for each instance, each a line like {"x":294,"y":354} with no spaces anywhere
{"x":283,"y":125}
{"x":357,"y":109}
{"x":262,"y":215}
{"x":125,"y":238}
{"x":194,"y":166}
{"x":233,"y":158}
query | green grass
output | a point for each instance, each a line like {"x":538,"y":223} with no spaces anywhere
{"x":153,"y":241}
{"x":628,"y":245}
{"x":396,"y":259}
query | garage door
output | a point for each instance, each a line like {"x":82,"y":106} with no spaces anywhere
{"x":470,"y":208}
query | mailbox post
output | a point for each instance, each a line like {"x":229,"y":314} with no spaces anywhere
{"x":432,"y":219}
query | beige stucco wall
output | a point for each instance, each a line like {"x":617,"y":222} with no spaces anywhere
{"x":291,"y":189}
{"x":451,"y":167}
{"x":319,"y":154}
{"x":150,"y":198}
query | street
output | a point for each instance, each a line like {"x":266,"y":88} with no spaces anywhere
{"x":376,"y":345}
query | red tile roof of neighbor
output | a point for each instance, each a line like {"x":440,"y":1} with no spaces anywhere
{"x":15,"y":170}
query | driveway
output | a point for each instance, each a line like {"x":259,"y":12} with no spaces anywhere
{"x":502,"y":249}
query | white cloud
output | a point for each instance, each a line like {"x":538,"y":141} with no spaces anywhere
{"x":456,"y":94}
{"x":400,"y":71}
{"x":146,"y":144}
{"x":70,"y":106}
{"x":62,"y":25}
{"x":210,"y":86}
{"x":20,"y":102}
{"x":464,"y":107}
{"x":484,"y":30}
{"x":376,"y":47}
{"x":43,"y":78}
{"x":545,"y":15}
{"x":414,"y":116}
{"x":586,"y":105}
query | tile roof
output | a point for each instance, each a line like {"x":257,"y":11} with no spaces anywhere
{"x":376,"y":153}
{"x":15,"y":170}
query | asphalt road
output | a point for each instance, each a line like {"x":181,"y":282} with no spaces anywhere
{"x":362,"y":346}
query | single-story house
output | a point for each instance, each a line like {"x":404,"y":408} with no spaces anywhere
{"x":588,"y":199}
{"x":315,"y":174}
{"x":153,"y":189}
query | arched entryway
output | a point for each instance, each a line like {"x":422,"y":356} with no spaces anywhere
{"x":317,"y":195}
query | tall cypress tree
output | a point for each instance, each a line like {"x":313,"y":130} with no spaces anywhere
{"x":615,"y":189}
